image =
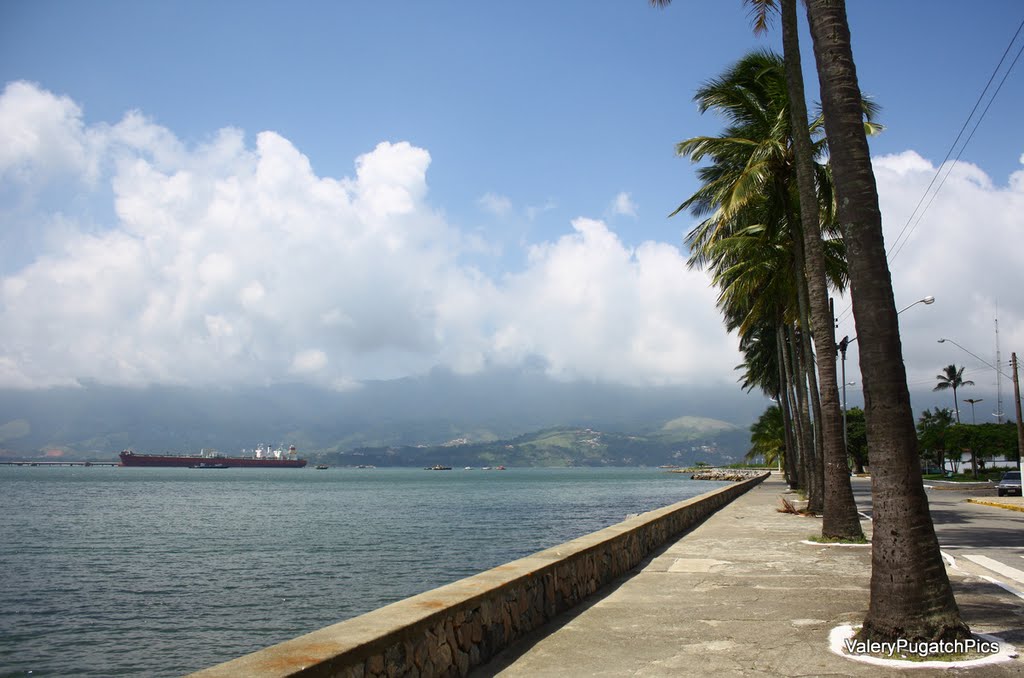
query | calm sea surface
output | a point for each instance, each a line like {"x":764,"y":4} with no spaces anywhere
{"x":154,"y":572}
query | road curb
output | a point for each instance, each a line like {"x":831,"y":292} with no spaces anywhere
{"x":998,"y":504}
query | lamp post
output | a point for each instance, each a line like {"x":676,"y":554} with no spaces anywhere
{"x":972,"y":401}
{"x":1020,"y":422}
{"x":845,"y":384}
{"x":845,"y":344}
{"x":926,"y":301}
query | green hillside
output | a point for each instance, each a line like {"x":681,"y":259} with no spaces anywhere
{"x":681,"y":441}
{"x":684,"y":429}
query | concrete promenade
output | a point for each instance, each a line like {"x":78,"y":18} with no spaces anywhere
{"x":740,"y":595}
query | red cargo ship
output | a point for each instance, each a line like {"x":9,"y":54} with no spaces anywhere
{"x":261,"y":457}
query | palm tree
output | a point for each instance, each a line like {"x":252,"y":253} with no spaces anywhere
{"x":840,"y":518}
{"x":748,"y":194}
{"x":745,"y":238}
{"x":952,"y":378}
{"x":767,"y":437}
{"x":932,"y":430}
{"x":911,"y":596}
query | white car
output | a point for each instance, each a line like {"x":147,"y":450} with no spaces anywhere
{"x":1010,"y":484}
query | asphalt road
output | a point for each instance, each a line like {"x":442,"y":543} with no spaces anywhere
{"x":983,"y":540}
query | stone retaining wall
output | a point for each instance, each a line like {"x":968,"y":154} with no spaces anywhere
{"x":449,"y":630}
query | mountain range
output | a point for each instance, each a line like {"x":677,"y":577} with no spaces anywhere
{"x":95,"y":421}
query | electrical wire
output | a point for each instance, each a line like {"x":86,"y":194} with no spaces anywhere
{"x":897,"y":245}
{"x":918,"y":212}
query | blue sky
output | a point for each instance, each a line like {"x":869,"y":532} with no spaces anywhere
{"x":531,"y":142}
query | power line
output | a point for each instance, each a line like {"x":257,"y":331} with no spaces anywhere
{"x":895,"y":250}
{"x":918,"y":212}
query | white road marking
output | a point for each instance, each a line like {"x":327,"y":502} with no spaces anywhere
{"x":997,"y":567}
{"x":1003,"y":586}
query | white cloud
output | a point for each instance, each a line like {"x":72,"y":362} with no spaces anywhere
{"x":623,"y":205}
{"x":309,"y":361}
{"x":534,"y":211}
{"x":234,"y":262}
{"x":230,"y":263}
{"x":593,"y":309}
{"x":496,"y":204}
{"x":41,"y":135}
{"x":966,"y":252}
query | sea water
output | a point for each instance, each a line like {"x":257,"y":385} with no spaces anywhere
{"x":113,"y":571}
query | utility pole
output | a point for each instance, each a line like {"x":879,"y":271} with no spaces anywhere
{"x":1020,"y":424}
{"x":999,"y":382}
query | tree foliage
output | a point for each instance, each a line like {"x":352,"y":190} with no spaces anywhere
{"x":767,"y":437}
{"x":952,"y":378}
{"x":857,"y":439}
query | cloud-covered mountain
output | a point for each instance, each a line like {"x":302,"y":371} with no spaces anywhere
{"x":98,"y":420}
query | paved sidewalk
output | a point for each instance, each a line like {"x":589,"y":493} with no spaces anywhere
{"x":740,"y":595}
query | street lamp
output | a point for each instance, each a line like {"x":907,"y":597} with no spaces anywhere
{"x":846,"y":444}
{"x":972,"y":401}
{"x":927,"y":301}
{"x":846,"y":341}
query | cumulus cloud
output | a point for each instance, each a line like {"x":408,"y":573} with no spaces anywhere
{"x":598,"y":310}
{"x":966,"y":251}
{"x":496,"y":204}
{"x":41,"y":135}
{"x":623,"y":205}
{"x":235,"y":262}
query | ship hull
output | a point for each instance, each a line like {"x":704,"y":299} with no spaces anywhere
{"x":186,"y":461}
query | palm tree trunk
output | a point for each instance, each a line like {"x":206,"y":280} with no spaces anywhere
{"x":804,"y":423}
{"x":840,"y":518}
{"x":816,"y":493}
{"x":792,"y":453}
{"x":798,"y":427}
{"x":910,"y":593}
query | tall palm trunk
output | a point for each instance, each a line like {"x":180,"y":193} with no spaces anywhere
{"x":804,"y":419}
{"x":910,"y":593}
{"x":794,"y":401}
{"x":840,"y":518}
{"x":792,"y":453}
{"x":816,"y":498}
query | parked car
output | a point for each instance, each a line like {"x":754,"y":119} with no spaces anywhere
{"x":1010,"y":484}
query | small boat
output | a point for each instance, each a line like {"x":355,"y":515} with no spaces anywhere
{"x":438,"y":467}
{"x":205,"y":465}
{"x":501,"y":468}
{"x":321,"y":467}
